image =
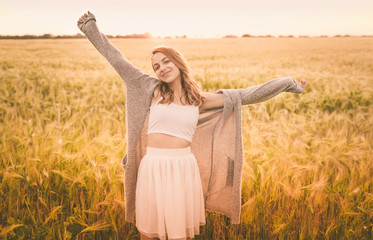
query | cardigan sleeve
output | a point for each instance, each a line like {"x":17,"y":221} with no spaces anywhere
{"x":126,"y":70}
{"x":269,"y":89}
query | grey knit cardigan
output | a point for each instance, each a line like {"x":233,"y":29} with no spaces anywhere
{"x":217,"y":143}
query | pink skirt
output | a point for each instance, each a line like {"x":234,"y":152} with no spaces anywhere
{"x":169,"y":196}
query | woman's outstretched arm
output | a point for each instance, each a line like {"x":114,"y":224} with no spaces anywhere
{"x":128,"y":72}
{"x":257,"y":93}
{"x":269,"y":89}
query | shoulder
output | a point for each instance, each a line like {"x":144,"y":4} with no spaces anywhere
{"x":212,"y":100}
{"x":156,"y":95}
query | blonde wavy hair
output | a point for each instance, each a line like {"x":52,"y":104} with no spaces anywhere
{"x":192,"y":90}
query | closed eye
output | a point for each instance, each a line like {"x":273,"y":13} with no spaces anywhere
{"x":164,"y":60}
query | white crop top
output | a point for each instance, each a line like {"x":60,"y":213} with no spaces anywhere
{"x":173,"y":119}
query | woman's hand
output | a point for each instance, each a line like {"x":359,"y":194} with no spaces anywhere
{"x":84,"y":18}
{"x":303,"y":84}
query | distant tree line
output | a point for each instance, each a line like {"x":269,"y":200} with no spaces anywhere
{"x":292,"y":36}
{"x":79,"y":35}
{"x":148,"y":35}
{"x":44,"y":36}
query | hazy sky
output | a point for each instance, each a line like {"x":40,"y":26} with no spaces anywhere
{"x":194,"y":18}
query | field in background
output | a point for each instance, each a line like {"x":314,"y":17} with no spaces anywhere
{"x":308,"y":158}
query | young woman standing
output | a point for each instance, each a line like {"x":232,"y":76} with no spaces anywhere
{"x":184,"y":146}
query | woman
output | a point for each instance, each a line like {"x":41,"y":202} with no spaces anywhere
{"x":184,"y":146}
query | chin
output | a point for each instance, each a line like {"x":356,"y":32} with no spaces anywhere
{"x":168,"y":81}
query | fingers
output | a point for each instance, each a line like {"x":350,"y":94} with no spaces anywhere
{"x":81,"y":20}
{"x":84,"y":17}
{"x":303,"y":84}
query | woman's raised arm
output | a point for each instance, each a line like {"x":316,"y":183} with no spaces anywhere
{"x":126,"y":70}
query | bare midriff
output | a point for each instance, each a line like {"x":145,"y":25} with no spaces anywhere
{"x":160,"y":140}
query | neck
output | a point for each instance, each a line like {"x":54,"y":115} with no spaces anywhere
{"x":176,"y":88}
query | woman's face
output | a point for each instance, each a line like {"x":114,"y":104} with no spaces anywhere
{"x":165,"y":69}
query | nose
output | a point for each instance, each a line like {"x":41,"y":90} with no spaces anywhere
{"x":162,"y":68}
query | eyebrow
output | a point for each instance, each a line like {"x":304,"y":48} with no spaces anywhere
{"x":161,"y":61}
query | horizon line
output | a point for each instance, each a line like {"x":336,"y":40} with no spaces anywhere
{"x":148,"y":35}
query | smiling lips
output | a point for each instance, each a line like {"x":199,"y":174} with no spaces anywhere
{"x":165,"y":73}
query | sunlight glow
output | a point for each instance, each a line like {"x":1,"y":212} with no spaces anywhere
{"x":192,"y":18}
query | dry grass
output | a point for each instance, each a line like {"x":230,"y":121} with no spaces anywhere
{"x":308,"y":157}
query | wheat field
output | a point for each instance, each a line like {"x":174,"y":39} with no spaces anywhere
{"x":308,"y":158}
